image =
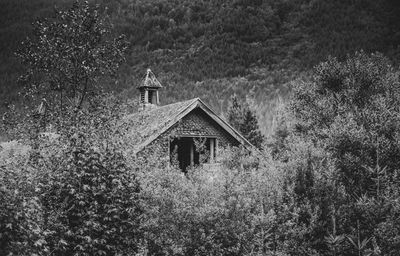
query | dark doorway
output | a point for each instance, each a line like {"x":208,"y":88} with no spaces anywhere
{"x":184,"y":153}
{"x":180,"y":149}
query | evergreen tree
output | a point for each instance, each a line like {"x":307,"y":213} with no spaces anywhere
{"x":243,"y":119}
{"x":235,"y":112}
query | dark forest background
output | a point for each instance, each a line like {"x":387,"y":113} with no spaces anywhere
{"x":324,"y":181}
{"x":213,"y":49}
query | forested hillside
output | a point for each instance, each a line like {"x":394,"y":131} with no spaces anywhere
{"x":325,"y":182}
{"x":212,"y":49}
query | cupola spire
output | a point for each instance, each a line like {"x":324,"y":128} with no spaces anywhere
{"x":148,"y":88}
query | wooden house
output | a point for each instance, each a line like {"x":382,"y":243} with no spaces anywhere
{"x":184,"y":133}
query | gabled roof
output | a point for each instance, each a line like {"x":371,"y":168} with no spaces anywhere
{"x":149,"y":124}
{"x":150,"y":80}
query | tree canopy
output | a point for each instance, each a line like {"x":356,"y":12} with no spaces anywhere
{"x":351,"y":110}
{"x":193,"y":43}
{"x":69,"y":54}
{"x":330,"y":185}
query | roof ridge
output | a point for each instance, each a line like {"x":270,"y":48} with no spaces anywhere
{"x":175,"y":103}
{"x":153,"y":122}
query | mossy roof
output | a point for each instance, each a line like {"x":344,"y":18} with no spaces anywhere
{"x":148,"y":124}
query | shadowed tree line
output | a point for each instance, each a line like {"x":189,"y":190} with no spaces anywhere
{"x":231,"y":45}
{"x":326,"y":182}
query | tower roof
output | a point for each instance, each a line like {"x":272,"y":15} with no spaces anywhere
{"x":150,"y":81}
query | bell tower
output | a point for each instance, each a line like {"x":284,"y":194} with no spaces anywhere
{"x":149,"y":90}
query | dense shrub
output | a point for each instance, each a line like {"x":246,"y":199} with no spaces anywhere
{"x":340,"y":155}
{"x":329,"y":185}
{"x":227,"y":209}
{"x":72,"y":192}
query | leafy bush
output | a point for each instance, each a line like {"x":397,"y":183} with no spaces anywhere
{"x":340,"y":156}
{"x":219,"y":210}
{"x":72,"y":192}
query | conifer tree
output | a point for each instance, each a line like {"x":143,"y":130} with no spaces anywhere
{"x":242,"y":118}
{"x":235,"y":112}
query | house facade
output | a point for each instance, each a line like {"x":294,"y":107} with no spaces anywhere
{"x":184,"y":134}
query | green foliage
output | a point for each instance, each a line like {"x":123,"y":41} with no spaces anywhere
{"x":339,"y":153}
{"x":84,"y":194}
{"x":20,"y":213}
{"x":241,"y":117}
{"x":69,"y":54}
{"x":338,"y":28}
{"x":79,"y":196}
{"x":328,"y":183}
{"x":351,"y":109}
{"x":226,"y":209}
{"x":211,"y":42}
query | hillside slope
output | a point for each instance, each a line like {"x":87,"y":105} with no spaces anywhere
{"x":211,"y":49}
